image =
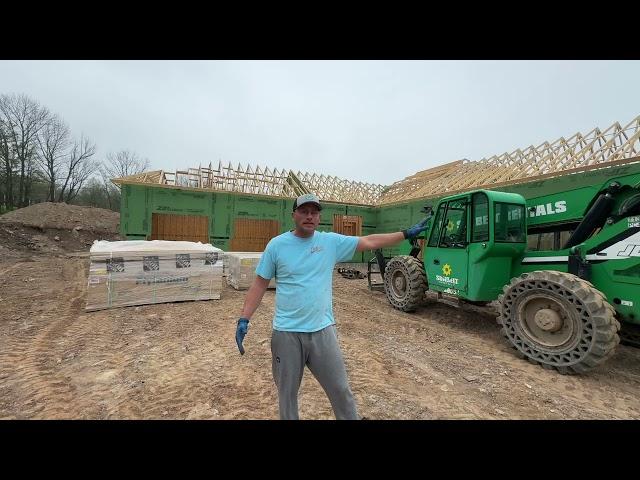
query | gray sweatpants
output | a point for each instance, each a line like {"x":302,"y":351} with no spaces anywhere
{"x":319,"y":351}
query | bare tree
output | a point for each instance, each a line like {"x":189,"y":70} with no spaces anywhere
{"x":53,"y":144}
{"x":124,"y":163}
{"x":120,"y":164}
{"x":79,"y":166}
{"x":93,"y":194}
{"x":22,"y":118}
{"x":7,"y":165}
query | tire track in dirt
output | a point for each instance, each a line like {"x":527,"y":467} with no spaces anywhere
{"x":425,"y":388}
{"x":26,"y":363}
{"x":180,"y":360}
{"x":108,"y":365}
{"x":422,"y":347}
{"x":174,"y":374}
{"x":54,"y":389}
{"x":12,"y":267}
{"x":404,"y":350}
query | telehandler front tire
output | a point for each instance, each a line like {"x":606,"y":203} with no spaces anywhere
{"x":405,"y":282}
{"x":558,"y":320}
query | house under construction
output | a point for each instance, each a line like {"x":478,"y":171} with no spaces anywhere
{"x":242,"y":208}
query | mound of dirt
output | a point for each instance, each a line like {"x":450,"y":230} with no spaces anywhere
{"x":61,"y":216}
{"x":55,"y":228}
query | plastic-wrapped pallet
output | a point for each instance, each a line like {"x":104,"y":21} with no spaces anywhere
{"x":241,"y":269}
{"x":140,"y":272}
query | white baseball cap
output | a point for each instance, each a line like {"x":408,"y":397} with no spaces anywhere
{"x":307,"y":198}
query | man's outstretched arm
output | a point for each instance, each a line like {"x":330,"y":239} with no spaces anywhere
{"x":382,"y":240}
{"x":379,"y":240}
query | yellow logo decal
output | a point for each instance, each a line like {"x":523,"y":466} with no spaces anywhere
{"x":450,"y":226}
{"x":446,"y":269}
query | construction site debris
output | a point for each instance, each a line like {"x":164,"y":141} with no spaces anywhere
{"x":351,"y":273}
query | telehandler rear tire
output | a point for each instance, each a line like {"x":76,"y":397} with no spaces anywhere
{"x":558,"y":320}
{"x":405,"y":282}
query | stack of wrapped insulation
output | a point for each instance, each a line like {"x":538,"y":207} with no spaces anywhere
{"x":241,"y":269}
{"x":139,"y":272}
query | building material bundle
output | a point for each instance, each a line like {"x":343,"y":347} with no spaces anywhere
{"x":142,"y":272}
{"x":241,"y":269}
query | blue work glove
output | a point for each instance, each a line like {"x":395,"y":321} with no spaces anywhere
{"x":416,"y":229}
{"x":241,"y":331}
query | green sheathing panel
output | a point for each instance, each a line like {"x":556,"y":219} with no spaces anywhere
{"x":139,"y":202}
{"x":369,"y":225}
{"x":263,"y":208}
{"x":133,"y":211}
{"x":220,"y":226}
{"x":326,"y":216}
{"x":287,"y":219}
{"x":369,"y":215}
{"x":255,"y":207}
{"x":326,"y":221}
{"x":563,"y":200}
{"x":593,"y":178}
{"x":229,"y":207}
{"x":180,"y":202}
{"x":398,"y":217}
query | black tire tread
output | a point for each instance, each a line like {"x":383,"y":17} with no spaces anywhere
{"x":413,"y":269}
{"x":605,"y":326}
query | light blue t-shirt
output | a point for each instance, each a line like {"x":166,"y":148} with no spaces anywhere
{"x":303,"y":268}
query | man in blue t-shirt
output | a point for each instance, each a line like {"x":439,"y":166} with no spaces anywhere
{"x":304,"y":331}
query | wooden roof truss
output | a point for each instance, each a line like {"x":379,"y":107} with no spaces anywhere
{"x":579,"y":152}
{"x":596,"y":149}
{"x":264,"y":181}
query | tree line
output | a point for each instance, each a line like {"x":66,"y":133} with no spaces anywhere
{"x":40,"y":160}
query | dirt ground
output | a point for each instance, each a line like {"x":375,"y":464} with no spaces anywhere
{"x":180,"y":361}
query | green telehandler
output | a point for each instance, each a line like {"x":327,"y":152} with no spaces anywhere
{"x":561,"y":263}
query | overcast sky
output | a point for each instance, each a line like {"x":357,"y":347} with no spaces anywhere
{"x":372,"y":121}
